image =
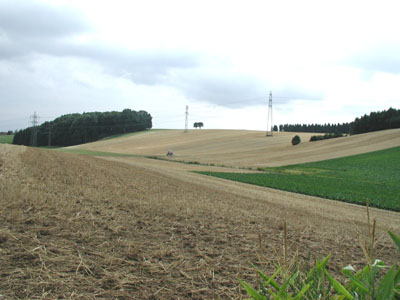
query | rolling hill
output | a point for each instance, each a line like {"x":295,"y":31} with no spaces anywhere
{"x":81,"y":227}
{"x":238,"y":148}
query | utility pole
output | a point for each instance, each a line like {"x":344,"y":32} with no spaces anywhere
{"x":49,"y":136}
{"x":186,"y":118}
{"x":269,"y":119}
{"x":35,"y":123}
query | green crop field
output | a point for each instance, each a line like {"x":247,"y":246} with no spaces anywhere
{"x":374,"y":176}
{"x":6,"y":139}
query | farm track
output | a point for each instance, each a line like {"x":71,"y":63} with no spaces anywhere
{"x":79,"y":227}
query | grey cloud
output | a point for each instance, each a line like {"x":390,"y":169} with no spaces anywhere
{"x":219,"y":87}
{"x":34,"y":19}
{"x":31,"y":28}
{"x":140,"y":66}
{"x":294,"y":92}
{"x":234,"y":90}
{"x":384,"y":58}
{"x":28,"y":27}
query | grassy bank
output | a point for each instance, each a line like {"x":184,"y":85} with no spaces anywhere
{"x":353,"y":179}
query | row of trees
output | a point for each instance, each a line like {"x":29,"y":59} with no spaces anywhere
{"x":326,"y":136}
{"x":317,"y":128}
{"x":73,"y":129}
{"x":375,"y":121}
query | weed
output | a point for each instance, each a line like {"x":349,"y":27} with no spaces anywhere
{"x":369,"y":283}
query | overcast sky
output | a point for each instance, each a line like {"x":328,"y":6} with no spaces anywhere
{"x":324,"y":61}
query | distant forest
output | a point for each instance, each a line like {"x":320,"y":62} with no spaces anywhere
{"x":375,"y":121}
{"x":74,"y":129}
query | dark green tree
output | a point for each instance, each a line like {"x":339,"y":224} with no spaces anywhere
{"x":198,"y":125}
{"x":296,"y":140}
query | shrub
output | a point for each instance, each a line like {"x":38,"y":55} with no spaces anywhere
{"x":296,"y":140}
{"x":325,"y":136}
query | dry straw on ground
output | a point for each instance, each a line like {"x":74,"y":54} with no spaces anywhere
{"x":77,"y":227}
{"x":239,"y":148}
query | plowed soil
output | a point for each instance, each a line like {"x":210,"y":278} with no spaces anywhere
{"x":79,"y":227}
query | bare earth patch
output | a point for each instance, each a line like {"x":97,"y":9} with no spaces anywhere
{"x":79,"y":227}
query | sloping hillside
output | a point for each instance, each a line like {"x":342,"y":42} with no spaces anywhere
{"x":245,"y":148}
{"x":78,"y":227}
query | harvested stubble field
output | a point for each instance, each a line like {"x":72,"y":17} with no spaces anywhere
{"x":80,"y":227}
{"x":240,"y":148}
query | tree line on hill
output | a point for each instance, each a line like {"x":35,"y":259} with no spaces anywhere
{"x":317,"y":128}
{"x":386,"y":119}
{"x":375,"y":121}
{"x":74,"y":129}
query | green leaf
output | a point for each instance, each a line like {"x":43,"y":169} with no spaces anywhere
{"x":323,"y":263}
{"x":269,"y":280}
{"x":303,"y":291}
{"x":397,"y":278}
{"x":252,"y":292}
{"x":338,"y":287}
{"x":396,"y":240}
{"x":355,"y":281}
{"x":386,"y":287}
{"x":282,"y":291}
{"x":319,"y":266}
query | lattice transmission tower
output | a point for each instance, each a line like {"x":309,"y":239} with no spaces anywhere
{"x":269,"y":118}
{"x":186,"y":118}
{"x":35,"y":122}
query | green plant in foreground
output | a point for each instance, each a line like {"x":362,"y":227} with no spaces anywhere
{"x":369,"y":283}
{"x":294,"y":286}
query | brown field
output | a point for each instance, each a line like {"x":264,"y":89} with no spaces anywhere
{"x":239,"y":148}
{"x":79,"y":227}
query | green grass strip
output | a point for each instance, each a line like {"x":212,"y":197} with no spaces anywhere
{"x":374,"y":176}
{"x":6,"y":139}
{"x":95,"y":153}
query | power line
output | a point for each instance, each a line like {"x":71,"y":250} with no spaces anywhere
{"x":298,"y":98}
